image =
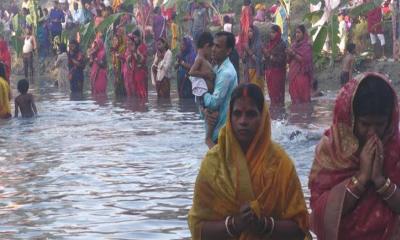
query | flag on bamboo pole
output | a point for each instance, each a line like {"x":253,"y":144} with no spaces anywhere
{"x":281,"y":18}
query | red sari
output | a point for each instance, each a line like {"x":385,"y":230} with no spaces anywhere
{"x":140,"y":73}
{"x":334,"y":165}
{"x":275,"y":70}
{"x":98,"y":73}
{"x":246,"y":19}
{"x":301,"y":72}
{"x":5,"y":57}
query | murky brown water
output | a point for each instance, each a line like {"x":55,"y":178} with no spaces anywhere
{"x":101,"y":169}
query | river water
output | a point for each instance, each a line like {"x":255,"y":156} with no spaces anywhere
{"x":104,"y":169}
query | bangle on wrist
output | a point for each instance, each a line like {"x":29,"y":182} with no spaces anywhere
{"x":390,"y":192}
{"x":272,"y":226}
{"x":227,"y":226}
{"x":352,"y":193}
{"x":384,"y":187}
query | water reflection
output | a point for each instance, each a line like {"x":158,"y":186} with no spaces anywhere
{"x":106,"y":168}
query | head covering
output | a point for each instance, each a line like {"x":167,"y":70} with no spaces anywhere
{"x":255,"y":44}
{"x":304,"y":49}
{"x":334,"y":165}
{"x":264,"y":177}
{"x":273,"y":42}
{"x":189,"y":53}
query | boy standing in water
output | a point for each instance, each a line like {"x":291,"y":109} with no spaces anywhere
{"x":347,"y":64}
{"x":25,"y":102}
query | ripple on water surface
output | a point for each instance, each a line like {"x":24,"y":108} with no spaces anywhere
{"x":90,"y":169}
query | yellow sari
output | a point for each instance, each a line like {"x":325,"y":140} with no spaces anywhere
{"x":265,"y":177}
{"x":5,"y":108}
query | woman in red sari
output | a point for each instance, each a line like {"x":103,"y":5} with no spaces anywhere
{"x":246,"y":20}
{"x":128,"y":66}
{"x":5,"y":57}
{"x":98,"y":73}
{"x":356,"y":171}
{"x":300,"y":67}
{"x":140,"y":58}
{"x":275,"y":66}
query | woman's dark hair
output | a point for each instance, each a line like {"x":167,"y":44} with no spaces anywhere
{"x":246,"y":2}
{"x":3,"y":71}
{"x":23,"y":86}
{"x":250,"y":90}
{"x":138,"y":34}
{"x":373,"y":97}
{"x":276,"y":28}
{"x":302,"y":28}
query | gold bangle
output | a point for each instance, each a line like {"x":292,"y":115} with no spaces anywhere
{"x":385,"y":186}
{"x":391,"y":194}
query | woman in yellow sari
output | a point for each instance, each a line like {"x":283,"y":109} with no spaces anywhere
{"x":5,"y":108}
{"x":247,"y":187}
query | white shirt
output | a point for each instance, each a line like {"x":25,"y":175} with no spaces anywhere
{"x":164,"y":67}
{"x":228,"y":27}
{"x":28,"y":45}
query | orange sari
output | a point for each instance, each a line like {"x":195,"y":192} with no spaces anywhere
{"x":335,"y":164}
{"x":265,"y":177}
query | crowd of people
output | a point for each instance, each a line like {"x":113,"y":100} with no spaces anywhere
{"x":247,"y":187}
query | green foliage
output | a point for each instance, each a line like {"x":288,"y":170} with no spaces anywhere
{"x":106,"y":23}
{"x":87,"y":35}
{"x":334,"y":36}
{"x":16,"y":40}
{"x":313,"y":17}
{"x":320,"y":40}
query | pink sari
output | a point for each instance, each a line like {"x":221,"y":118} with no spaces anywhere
{"x":335,"y":164}
{"x":128,"y":71}
{"x":140,"y":74}
{"x":301,"y":72}
{"x":98,"y":73}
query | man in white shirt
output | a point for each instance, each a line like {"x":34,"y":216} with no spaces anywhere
{"x":77,"y":14}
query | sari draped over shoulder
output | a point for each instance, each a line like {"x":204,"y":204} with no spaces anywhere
{"x":253,"y":67}
{"x":5,"y":57}
{"x":301,"y":71}
{"x":5,"y":107}
{"x":335,"y":164}
{"x":188,"y":56}
{"x":265,"y":177}
{"x":275,"y":70}
{"x":246,"y":20}
{"x":140,"y":72}
{"x":98,"y":74}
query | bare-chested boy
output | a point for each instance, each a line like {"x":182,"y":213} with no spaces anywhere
{"x":202,"y":75}
{"x":347,"y":64}
{"x":25,"y":102}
